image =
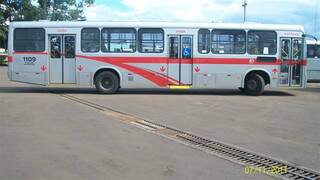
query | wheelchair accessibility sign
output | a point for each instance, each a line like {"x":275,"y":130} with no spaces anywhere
{"x":186,"y":53}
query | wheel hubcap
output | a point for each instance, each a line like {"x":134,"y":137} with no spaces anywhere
{"x":252,"y":85}
{"x":107,"y":83}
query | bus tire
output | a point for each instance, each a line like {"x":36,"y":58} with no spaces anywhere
{"x":254,"y":85}
{"x":107,"y":82}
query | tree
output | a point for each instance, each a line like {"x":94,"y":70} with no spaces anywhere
{"x":5,"y":12}
{"x":15,"y":10}
{"x":18,"y":10}
{"x":63,"y":10}
{"x":27,"y":10}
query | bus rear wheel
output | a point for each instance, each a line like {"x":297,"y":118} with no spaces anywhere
{"x":254,"y":85}
{"x":107,"y":82}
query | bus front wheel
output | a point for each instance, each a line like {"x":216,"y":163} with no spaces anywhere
{"x":254,"y":85}
{"x":107,"y":82}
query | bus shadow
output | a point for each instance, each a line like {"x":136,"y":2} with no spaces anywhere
{"x":44,"y":90}
{"x":313,"y":90}
{"x":216,"y":92}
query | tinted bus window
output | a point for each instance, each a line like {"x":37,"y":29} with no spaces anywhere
{"x":318,"y":51}
{"x":297,"y":49}
{"x":55,"y":47}
{"x":204,"y":41}
{"x":228,"y":42}
{"x":70,"y":46}
{"x":151,"y":40}
{"x":262,"y":42}
{"x":174,"y":47}
{"x":311,"y":51}
{"x":29,"y":40}
{"x":118,"y":40}
{"x":90,"y":40}
{"x":105,"y":46}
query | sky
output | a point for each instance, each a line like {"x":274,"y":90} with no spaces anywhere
{"x":302,"y":12}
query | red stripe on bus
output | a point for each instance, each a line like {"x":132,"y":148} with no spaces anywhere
{"x":233,"y":61}
{"x":304,"y":62}
{"x":153,"y":77}
{"x":163,"y":80}
{"x":10,"y":59}
{"x":31,"y":53}
{"x":159,"y":80}
{"x":172,"y":80}
{"x":150,"y":60}
{"x":295,"y":62}
{"x":165,"y":60}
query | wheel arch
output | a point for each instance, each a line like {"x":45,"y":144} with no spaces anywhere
{"x":106,"y":68}
{"x":262,"y":72}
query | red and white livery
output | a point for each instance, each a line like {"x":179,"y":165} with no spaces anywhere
{"x":113,"y":55}
{"x":313,"y":58}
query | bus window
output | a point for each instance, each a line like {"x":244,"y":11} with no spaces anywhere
{"x":186,"y":47}
{"x":285,"y":49}
{"x":105,"y":40}
{"x":151,"y":40}
{"x":69,"y":46}
{"x":228,"y":42}
{"x":174,"y":47}
{"x":90,"y":40}
{"x":121,"y":40}
{"x":262,"y":42}
{"x":297,"y":49}
{"x":311,"y":51}
{"x":318,"y":51}
{"x":204,"y":41}
{"x":29,"y":40}
{"x":55,"y":47}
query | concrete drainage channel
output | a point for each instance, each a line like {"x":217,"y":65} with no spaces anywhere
{"x":257,"y":162}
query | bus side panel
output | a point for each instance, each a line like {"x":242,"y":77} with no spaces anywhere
{"x":313,"y":69}
{"x":134,"y":80}
{"x":313,"y":75}
{"x":30,"y":68}
{"x":218,"y":76}
{"x":227,"y":76}
{"x":87,"y":68}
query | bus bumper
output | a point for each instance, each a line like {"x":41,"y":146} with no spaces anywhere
{"x":275,"y":82}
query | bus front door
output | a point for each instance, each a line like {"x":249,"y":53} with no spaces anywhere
{"x":180,"y":60}
{"x":292,"y":71}
{"x":62,"y":59}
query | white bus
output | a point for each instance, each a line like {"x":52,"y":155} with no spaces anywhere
{"x":313,"y":58}
{"x":113,"y":55}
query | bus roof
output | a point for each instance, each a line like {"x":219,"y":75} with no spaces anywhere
{"x":312,"y":42}
{"x":196,"y":25}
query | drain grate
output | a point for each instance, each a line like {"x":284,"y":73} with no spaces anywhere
{"x":249,"y":158}
{"x":229,"y":152}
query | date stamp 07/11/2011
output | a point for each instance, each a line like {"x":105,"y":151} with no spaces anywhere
{"x":274,"y":170}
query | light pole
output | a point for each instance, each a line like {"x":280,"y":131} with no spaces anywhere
{"x":244,"y":5}
{"x":316,"y":16}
